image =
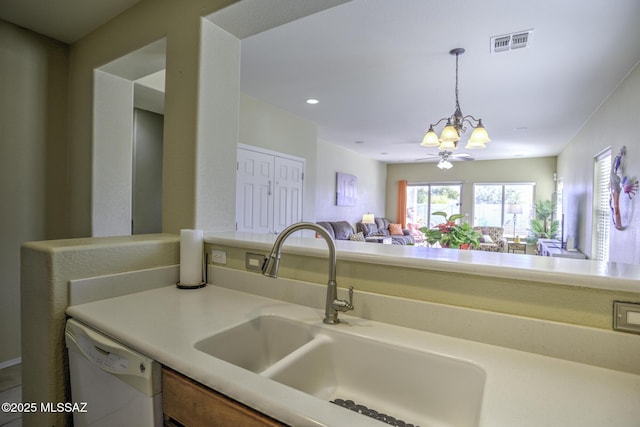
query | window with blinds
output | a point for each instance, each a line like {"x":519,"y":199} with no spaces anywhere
{"x":601,"y":208}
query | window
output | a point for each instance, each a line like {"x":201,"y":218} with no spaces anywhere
{"x":601,"y":208}
{"x":560,"y":209}
{"x":504,"y":205}
{"x":425,"y":199}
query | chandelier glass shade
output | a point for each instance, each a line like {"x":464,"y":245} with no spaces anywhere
{"x":455,"y":126}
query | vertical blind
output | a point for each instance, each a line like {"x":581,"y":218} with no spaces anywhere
{"x":602,"y":210}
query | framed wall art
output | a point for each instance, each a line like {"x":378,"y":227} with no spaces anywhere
{"x":346,"y":189}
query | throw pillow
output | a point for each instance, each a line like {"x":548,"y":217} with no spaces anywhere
{"x":357,"y":237}
{"x":486,"y":239}
{"x":395,"y":230}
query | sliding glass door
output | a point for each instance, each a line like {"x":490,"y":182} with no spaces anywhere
{"x":504,"y":205}
{"x":425,"y":199}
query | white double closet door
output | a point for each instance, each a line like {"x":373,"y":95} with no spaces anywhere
{"x":269,"y":190}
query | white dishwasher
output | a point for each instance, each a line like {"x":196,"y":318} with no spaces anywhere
{"x":120,"y":386}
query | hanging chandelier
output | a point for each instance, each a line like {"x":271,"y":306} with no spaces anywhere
{"x":455,"y":125}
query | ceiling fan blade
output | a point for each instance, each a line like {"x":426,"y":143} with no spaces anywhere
{"x":461,"y":156}
{"x":448,"y":155}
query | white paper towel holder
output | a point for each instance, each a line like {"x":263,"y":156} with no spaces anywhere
{"x":185,"y":286}
{"x":198,"y":285}
{"x":203,"y":263}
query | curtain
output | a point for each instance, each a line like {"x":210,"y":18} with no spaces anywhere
{"x":402,"y":203}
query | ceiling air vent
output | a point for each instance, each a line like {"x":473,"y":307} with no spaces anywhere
{"x":519,"y":40}
{"x":511,"y":41}
{"x":501,"y":43}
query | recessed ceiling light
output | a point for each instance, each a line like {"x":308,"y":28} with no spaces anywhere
{"x":312,"y":101}
{"x":359,"y":142}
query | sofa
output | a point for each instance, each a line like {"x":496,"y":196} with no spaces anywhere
{"x":382,"y":227}
{"x":491,"y":239}
{"x":339,"y":230}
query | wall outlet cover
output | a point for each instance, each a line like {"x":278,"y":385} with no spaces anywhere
{"x":219,"y":257}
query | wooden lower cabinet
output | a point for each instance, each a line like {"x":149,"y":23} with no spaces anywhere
{"x":186,"y":403}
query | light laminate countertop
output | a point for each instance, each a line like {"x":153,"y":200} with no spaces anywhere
{"x":562,"y":271}
{"x":521,"y":389}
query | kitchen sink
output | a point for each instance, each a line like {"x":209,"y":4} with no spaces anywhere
{"x":419,"y":387}
{"x":258,"y":343}
{"x":416,"y":386}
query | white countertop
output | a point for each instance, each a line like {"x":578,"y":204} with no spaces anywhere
{"x":563,"y":271}
{"x":521,"y":389}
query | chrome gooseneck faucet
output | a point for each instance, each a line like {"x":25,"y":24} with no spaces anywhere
{"x":333,"y":304}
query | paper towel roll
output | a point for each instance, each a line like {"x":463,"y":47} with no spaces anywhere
{"x":191,"y":249}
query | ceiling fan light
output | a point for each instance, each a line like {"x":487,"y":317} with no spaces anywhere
{"x":430,"y":139}
{"x":449,"y":134}
{"x":445,"y":164}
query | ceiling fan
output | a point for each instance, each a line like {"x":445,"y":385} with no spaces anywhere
{"x":446,"y":156}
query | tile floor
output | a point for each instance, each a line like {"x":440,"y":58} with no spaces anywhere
{"x":10,"y":391}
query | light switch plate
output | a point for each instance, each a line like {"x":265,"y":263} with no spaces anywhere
{"x":626,"y":317}
{"x":254,"y":262}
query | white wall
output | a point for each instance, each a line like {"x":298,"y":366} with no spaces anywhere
{"x":112,"y":155}
{"x":217,"y":134}
{"x":265,"y":126}
{"x":613,"y":124}
{"x":147,"y":21}
{"x":371,"y":176}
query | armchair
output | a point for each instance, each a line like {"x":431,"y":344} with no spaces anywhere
{"x":414,"y":230}
{"x":492,"y":240}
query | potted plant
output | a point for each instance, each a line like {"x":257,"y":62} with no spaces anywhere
{"x":543,"y":226}
{"x":451,"y":234}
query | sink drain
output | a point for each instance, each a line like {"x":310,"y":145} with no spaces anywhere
{"x":361,"y":409}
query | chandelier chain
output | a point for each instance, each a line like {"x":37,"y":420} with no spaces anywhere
{"x":457,"y":101}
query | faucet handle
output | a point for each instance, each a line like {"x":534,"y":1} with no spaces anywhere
{"x":342,"y":305}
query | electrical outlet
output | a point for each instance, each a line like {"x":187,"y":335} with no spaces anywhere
{"x":219,"y":257}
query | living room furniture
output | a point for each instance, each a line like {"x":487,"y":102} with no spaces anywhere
{"x":545,"y":244}
{"x":514,"y":247}
{"x":553,"y":248}
{"x":491,"y":239}
{"x":380,"y":239}
{"x":339,"y":230}
{"x":414,"y":230}
{"x":381,"y":228}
